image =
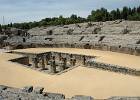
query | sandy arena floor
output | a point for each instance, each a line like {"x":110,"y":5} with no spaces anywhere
{"x":84,"y":81}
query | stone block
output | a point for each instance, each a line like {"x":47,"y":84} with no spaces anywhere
{"x":123,"y":98}
{"x":2,"y":87}
{"x":38,"y":90}
{"x":82,"y":97}
{"x":27,"y":89}
{"x":56,"y":96}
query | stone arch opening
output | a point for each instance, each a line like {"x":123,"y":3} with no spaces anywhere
{"x":87,"y":46}
{"x":19,"y":47}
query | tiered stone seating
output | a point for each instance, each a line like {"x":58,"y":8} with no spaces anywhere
{"x":111,"y":35}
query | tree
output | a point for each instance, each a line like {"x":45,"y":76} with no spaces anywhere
{"x":101,"y":14}
{"x":91,"y":17}
{"x":104,"y":14}
{"x":134,"y":10}
{"x":0,"y":28}
{"x":113,"y":14}
{"x":135,"y":16}
{"x":129,"y":11}
{"x":74,"y":17}
{"x":11,"y":25}
{"x":125,"y":13}
{"x":118,"y":14}
{"x":61,"y":20}
{"x":138,"y":9}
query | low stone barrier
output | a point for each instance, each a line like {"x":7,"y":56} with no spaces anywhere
{"x":123,"y":98}
{"x":98,"y":46}
{"x":21,"y":60}
{"x":51,"y":62}
{"x":81,"y":60}
{"x":37,"y":93}
{"x":127,"y":50}
{"x":113,"y":68}
{"x":34,"y":93}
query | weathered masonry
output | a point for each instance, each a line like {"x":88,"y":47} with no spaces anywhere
{"x":22,"y":60}
{"x":58,"y":63}
{"x":114,"y":68}
{"x":128,"y":44}
{"x":30,"y":92}
{"x":53,"y":62}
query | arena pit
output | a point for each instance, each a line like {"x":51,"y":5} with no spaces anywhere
{"x":52,"y":62}
{"x":93,"y":82}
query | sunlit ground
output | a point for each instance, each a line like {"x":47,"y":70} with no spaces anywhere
{"x":79,"y":81}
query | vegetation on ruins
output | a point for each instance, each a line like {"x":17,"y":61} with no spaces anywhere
{"x":96,"y":15}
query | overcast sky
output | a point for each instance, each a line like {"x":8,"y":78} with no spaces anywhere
{"x":34,"y":10}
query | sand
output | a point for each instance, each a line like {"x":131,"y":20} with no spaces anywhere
{"x":3,"y":50}
{"x":79,"y":81}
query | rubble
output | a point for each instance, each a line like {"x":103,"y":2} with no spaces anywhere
{"x":17,"y":94}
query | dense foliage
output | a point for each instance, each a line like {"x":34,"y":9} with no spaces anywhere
{"x":96,"y":15}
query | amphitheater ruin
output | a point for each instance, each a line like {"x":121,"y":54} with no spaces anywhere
{"x":97,"y":59}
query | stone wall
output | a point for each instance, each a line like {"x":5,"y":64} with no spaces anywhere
{"x":52,"y":62}
{"x":107,"y":36}
{"x":128,"y":44}
{"x":22,"y":60}
{"x":127,"y":50}
{"x":114,"y":68}
{"x":37,"y":93}
{"x":80,"y":60}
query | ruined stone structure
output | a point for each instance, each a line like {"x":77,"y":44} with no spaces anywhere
{"x":116,"y":36}
{"x":52,"y":62}
{"x":37,"y":93}
{"x":22,"y":60}
{"x":57,"y":62}
{"x":35,"y":62}
{"x":114,"y":68}
{"x":52,"y":66}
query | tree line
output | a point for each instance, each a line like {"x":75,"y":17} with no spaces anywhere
{"x":101,"y":14}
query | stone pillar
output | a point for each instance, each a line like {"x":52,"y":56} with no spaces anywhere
{"x":35,"y":62}
{"x":71,"y":56}
{"x":42,"y":63}
{"x":52,"y":66}
{"x":65,"y":63}
{"x":137,"y":51}
{"x":61,"y":66}
{"x":84,"y":60}
{"x":60,"y":56}
{"x":52,"y":57}
{"x":47,"y":59}
{"x":73,"y":61}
